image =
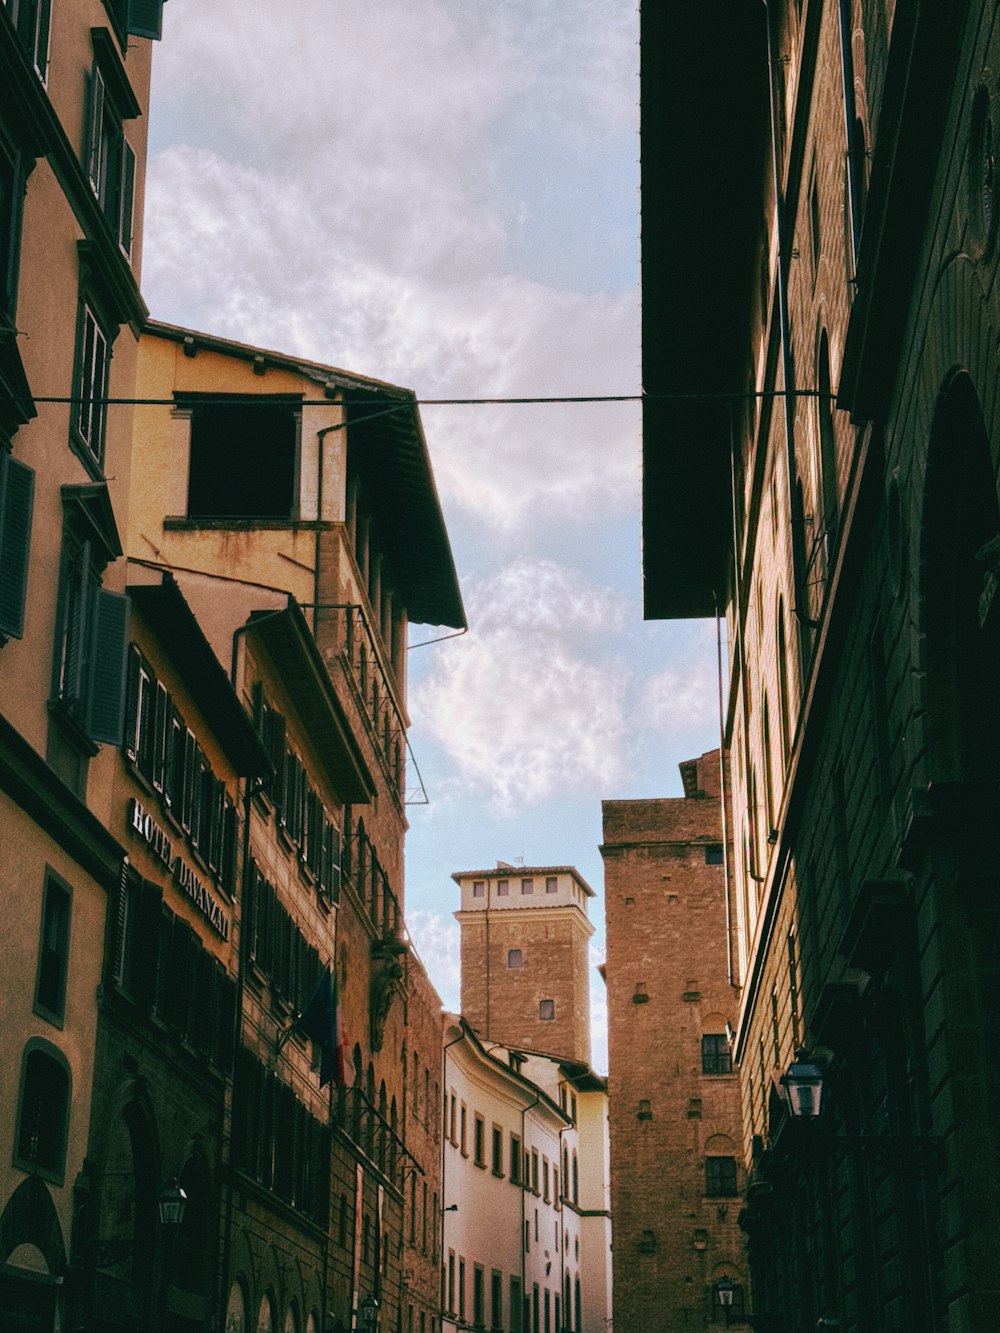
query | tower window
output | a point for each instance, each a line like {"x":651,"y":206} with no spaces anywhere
{"x":546,"y":1010}
{"x":551,"y":884}
{"x":527,"y":886}
{"x":715,"y":1054}
{"x":515,"y":959}
{"x":478,"y":888}
{"x":713,"y":854}
{"x":720,"y":1177}
{"x":503,"y":888}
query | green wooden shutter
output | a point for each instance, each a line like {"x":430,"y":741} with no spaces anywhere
{"x":40,"y":43}
{"x":126,"y":198}
{"x":106,"y":674}
{"x":131,"y":739}
{"x":145,"y":19}
{"x":95,"y":123}
{"x":76,"y":616}
{"x":17,"y":490}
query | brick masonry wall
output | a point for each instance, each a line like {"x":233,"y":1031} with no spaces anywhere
{"x":555,"y":957}
{"x":666,"y":928}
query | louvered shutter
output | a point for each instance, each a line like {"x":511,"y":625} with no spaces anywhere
{"x":161,"y":715}
{"x":17,"y":490}
{"x":276,"y":749}
{"x":126,"y":198}
{"x":145,"y":19}
{"x":76,"y":623}
{"x":95,"y":124}
{"x":106,"y":673}
{"x":120,"y":925}
{"x":334,"y":862}
{"x":131,"y":741}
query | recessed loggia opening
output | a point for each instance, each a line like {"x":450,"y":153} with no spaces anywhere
{"x":244,"y":459}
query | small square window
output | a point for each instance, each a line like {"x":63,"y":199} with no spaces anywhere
{"x":478,"y":888}
{"x":551,"y":884}
{"x":713,"y":854}
{"x":515,"y":959}
{"x":503,"y":888}
{"x":546,"y":1010}
{"x":716,"y":1057}
{"x":527,"y":886}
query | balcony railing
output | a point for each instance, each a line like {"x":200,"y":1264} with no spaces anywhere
{"x":362,"y":657}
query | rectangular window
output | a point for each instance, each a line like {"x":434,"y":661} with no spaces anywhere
{"x":111,"y":161}
{"x":17,"y":493}
{"x":713,"y":854}
{"x":461,"y":1289}
{"x":91,"y":387}
{"x":478,"y":888}
{"x":33,"y":19}
{"x":463,"y":1136}
{"x":244,"y":459}
{"x":515,"y":959}
{"x":11,"y":201}
{"x":53,"y":950}
{"x":545,"y":1179}
{"x":515,"y":1160}
{"x":547,"y":1010}
{"x":497,"y":1151}
{"x":534,"y":1170}
{"x":715,"y":1054}
{"x":451,"y":1281}
{"x":516,"y":1309}
{"x":551,"y":884}
{"x":479,"y":1141}
{"x":527,"y":886}
{"x":496,"y":1300}
{"x":478,"y":1297}
{"x":503,"y":888}
{"x":720,"y":1177}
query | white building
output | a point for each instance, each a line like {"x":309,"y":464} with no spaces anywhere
{"x":526,"y":1235}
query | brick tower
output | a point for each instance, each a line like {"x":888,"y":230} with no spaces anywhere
{"x":525,"y":964}
{"x":676,"y":1140}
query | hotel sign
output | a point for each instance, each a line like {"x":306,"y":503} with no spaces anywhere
{"x":142,"y":823}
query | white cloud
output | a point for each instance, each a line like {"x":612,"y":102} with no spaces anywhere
{"x":529,"y":705}
{"x":437,"y":940}
{"x":598,"y":1011}
{"x":682,"y":698}
{"x":331,"y":187}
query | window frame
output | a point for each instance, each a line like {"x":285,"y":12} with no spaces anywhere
{"x":721,"y":1182}
{"x":53,"y":887}
{"x":55,"y":1172}
{"x":91,"y":374}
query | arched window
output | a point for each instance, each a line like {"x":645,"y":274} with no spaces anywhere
{"x":236,"y":1309}
{"x":265,"y":1315}
{"x":43,"y":1112}
{"x":578,"y":1305}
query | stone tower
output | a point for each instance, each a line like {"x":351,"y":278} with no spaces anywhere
{"x":525,"y":968}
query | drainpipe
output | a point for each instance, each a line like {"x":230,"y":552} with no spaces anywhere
{"x":787,"y":367}
{"x":850,"y":116}
{"x":443,"y":1208}
{"x":321,"y":435}
{"x":524,"y":1184}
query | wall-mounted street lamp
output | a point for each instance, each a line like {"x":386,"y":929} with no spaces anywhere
{"x":172,"y":1204}
{"x":802,"y":1088}
{"x":725,"y":1291}
{"x":368,"y":1312}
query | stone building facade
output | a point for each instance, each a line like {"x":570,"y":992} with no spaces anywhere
{"x":677,"y":1170}
{"x":525,"y":963}
{"x":829,"y":481}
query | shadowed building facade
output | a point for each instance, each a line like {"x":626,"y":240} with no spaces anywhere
{"x":821,"y":437}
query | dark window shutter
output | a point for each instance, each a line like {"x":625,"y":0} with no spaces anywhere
{"x":120,"y":923}
{"x":42,"y":27}
{"x":126,"y":198}
{"x":106,"y":684}
{"x":144,"y":965}
{"x":145,"y":19}
{"x":161,"y":713}
{"x":131,"y":739}
{"x":227,"y":866}
{"x":95,"y":122}
{"x":17,"y":489}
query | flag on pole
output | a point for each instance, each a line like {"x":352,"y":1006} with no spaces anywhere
{"x":320,"y":1022}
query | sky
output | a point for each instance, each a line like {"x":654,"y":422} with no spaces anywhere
{"x":444,"y":194}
